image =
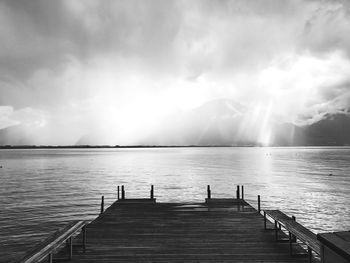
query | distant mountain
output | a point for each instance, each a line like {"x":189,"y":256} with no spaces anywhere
{"x":88,"y":139}
{"x":217,"y":123}
{"x":15,"y":135}
{"x":213,"y":123}
{"x":334,"y":129}
{"x":224,"y":122}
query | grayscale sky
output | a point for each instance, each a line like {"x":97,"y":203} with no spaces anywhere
{"x":117,"y":68}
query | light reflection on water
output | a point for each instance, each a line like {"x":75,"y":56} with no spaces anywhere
{"x":42,"y":190}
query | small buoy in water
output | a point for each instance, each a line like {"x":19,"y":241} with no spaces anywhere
{"x":0,"y":166}
{"x":330,"y":175}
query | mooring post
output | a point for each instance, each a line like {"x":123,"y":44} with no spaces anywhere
{"x":209,"y":191}
{"x":259,"y":207}
{"x":50,"y":259}
{"x":123,"y":192}
{"x":102,"y":204}
{"x":242,"y":192}
{"x":118,"y":193}
{"x":237,"y":192}
{"x":152,"y":191}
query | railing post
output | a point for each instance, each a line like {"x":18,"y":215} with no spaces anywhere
{"x":209,"y":191}
{"x":102,"y":204}
{"x":259,"y":207}
{"x":237,"y":192}
{"x":290,"y":243}
{"x":84,"y":237}
{"x":242,"y":188}
{"x":152,"y":191}
{"x":118,"y":193}
{"x":309,"y":252}
{"x":50,"y":259}
{"x":70,"y":248}
{"x":276,"y":231}
{"x":123,"y":192}
{"x":294,"y":237}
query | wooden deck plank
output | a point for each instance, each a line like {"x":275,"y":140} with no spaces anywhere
{"x":192,"y":232}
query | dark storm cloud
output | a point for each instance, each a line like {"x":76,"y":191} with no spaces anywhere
{"x":35,"y":34}
{"x":41,"y":39}
{"x":328,"y":28}
{"x":337,"y":97}
{"x":330,"y":93}
{"x":44,"y":34}
{"x":231,"y":35}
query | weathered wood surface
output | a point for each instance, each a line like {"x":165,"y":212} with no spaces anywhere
{"x":187,"y":232}
{"x":278,"y":215}
{"x":339,"y":242}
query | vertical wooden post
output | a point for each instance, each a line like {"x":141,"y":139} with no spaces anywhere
{"x":290,"y":243}
{"x":152,"y":191}
{"x":309,"y":252}
{"x":242,"y":188}
{"x":84,"y":237}
{"x":264,"y":220}
{"x":70,"y":248}
{"x":276,"y":231}
{"x":259,"y":207}
{"x":50,"y":259}
{"x":237,"y":192}
{"x":294,"y":237}
{"x":322,"y":253}
{"x":123,"y":192}
{"x":209,"y":191}
{"x":102,"y":204}
{"x":118,"y":193}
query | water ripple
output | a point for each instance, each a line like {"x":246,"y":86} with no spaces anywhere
{"x":42,"y":190}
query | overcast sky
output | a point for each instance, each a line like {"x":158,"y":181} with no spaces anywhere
{"x":71,"y":67}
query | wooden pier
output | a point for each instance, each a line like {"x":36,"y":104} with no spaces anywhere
{"x":216,"y":230}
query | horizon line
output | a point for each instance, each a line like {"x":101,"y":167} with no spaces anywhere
{"x":153,"y":146}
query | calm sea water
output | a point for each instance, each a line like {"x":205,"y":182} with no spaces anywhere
{"x":42,"y":190}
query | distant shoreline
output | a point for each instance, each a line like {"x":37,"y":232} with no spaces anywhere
{"x":112,"y":146}
{"x":148,"y":146}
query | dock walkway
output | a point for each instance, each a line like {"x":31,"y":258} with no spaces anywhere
{"x":217,"y":231}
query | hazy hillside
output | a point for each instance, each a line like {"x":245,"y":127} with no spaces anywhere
{"x":224,"y":122}
{"x":221,"y":122}
{"x":213,"y":123}
{"x":14,"y":135}
{"x":332,"y":130}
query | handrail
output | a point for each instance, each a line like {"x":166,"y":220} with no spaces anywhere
{"x":50,"y":244}
{"x":295,"y":229}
